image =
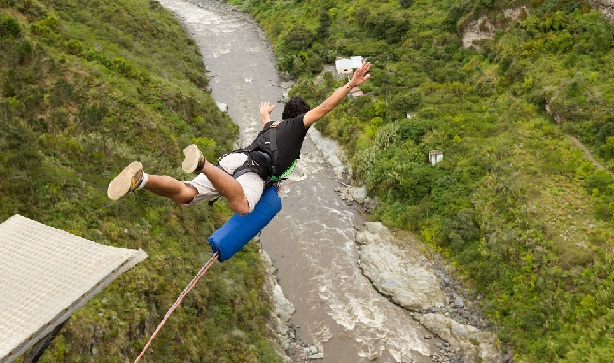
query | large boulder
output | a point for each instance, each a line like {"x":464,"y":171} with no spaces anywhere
{"x":478,"y":345}
{"x":402,"y":275}
{"x":406,"y":276}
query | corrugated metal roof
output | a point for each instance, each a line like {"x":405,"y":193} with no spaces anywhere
{"x":346,"y":63}
{"x":45,"y":275}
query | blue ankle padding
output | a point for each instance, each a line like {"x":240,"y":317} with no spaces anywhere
{"x":239,"y":230}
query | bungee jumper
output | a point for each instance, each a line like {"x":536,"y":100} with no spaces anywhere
{"x":248,"y":178}
{"x":245,"y":176}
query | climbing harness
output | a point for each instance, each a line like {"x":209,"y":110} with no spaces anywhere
{"x":273,"y":179}
{"x":185,"y":291}
{"x":262,"y":160}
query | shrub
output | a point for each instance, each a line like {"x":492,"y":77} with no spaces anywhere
{"x":9,"y":27}
{"x":299,"y":38}
{"x":405,"y":3}
{"x":74,"y":47}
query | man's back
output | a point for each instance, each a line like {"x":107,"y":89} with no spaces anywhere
{"x":290,"y":134}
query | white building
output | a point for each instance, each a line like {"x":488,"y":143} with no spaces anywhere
{"x":435,"y":156}
{"x":347,"y":65}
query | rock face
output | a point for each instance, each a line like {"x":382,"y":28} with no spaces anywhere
{"x":483,"y":28}
{"x":472,"y":341}
{"x":409,"y":279}
{"x":282,"y":311}
{"x":605,"y":6}
{"x":395,"y":273}
{"x":330,"y":151}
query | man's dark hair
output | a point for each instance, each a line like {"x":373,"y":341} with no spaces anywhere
{"x":294,"y":107}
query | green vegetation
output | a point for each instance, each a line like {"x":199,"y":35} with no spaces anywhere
{"x":85,"y":88}
{"x":514,"y":204}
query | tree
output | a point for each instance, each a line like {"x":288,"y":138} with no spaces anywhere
{"x":608,"y":148}
{"x":299,"y":38}
{"x":9,"y":27}
{"x":406,"y":3}
{"x":323,"y":30}
{"x":386,"y":25}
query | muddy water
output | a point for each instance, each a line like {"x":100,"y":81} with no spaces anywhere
{"x":311,"y":241}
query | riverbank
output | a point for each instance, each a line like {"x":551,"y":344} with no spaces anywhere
{"x":426,"y":286}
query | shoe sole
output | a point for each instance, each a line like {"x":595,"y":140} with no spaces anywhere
{"x":120,"y":186}
{"x":192,"y":156}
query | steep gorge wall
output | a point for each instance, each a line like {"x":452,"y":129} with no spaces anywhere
{"x":605,"y":6}
{"x":484,"y":28}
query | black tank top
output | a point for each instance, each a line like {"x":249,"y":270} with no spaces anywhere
{"x":290,"y":135}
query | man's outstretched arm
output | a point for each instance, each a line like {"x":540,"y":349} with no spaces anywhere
{"x":360,"y":75}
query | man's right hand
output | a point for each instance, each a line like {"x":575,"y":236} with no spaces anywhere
{"x":361,"y":74}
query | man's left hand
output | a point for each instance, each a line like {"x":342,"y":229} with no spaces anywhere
{"x":265,"y":112}
{"x":266,"y":108}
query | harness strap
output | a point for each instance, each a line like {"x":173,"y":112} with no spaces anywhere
{"x":256,"y":162}
{"x":273,"y":144}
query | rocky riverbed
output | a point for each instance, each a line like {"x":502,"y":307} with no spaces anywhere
{"x":398,"y":270}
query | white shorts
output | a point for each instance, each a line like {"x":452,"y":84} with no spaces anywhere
{"x":252,"y":183}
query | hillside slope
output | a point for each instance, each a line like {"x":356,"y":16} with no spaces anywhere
{"x":514,"y":204}
{"x":85,"y":88}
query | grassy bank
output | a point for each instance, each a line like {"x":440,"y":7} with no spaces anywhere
{"x":85,"y":88}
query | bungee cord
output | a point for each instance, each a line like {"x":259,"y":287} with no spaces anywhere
{"x":185,"y":291}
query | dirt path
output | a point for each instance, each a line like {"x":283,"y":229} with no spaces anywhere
{"x":587,"y":153}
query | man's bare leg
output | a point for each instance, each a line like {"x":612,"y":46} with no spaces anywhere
{"x":182,"y":193}
{"x":228,"y":187}
{"x":225,"y":184}
{"x":133,"y":178}
{"x":170,"y":187}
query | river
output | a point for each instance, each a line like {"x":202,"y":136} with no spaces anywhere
{"x":311,"y":241}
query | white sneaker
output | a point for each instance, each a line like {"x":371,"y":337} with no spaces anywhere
{"x":128,"y":180}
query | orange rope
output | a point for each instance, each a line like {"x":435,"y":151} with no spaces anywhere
{"x":178,"y":301}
